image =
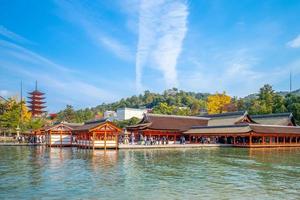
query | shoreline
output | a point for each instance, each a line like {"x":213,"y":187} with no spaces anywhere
{"x":19,"y":144}
{"x":136,"y":146}
{"x":182,"y":146}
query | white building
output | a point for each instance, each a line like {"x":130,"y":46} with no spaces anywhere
{"x":109,"y":114}
{"x":128,"y":113}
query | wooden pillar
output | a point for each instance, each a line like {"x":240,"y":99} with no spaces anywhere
{"x":71,"y":138}
{"x":234,"y":140}
{"x":86,"y":138}
{"x":89,"y":141}
{"x":93,"y":141}
{"x":250,"y":139}
{"x":190,"y":139}
{"x":81,"y":140}
{"x":290,"y":140}
{"x":175,"y":139}
{"x":60,"y":138}
{"x":277,"y":140}
{"x":105,"y":138}
{"x":50,"y":139}
{"x":78,"y":137}
{"x":284,"y":140}
{"x":117,"y":139}
{"x":263,"y":140}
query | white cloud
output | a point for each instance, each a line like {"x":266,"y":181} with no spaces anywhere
{"x":295,"y":43}
{"x":4,"y":93}
{"x":162,"y":28}
{"x":60,"y":82}
{"x":116,"y":47}
{"x":239,"y":73}
{"x":232,"y":71}
{"x":83,"y":17}
{"x":24,"y":54}
{"x":13,"y":36}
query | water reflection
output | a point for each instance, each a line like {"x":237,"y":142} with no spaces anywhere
{"x":225,"y":173}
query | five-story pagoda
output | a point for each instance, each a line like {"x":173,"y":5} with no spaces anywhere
{"x":36,"y":102}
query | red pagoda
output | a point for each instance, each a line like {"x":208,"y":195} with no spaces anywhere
{"x":36,"y":102}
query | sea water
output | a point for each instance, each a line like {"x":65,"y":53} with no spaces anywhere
{"x":204,"y":173}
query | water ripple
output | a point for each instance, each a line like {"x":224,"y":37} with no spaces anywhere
{"x":206,"y":173}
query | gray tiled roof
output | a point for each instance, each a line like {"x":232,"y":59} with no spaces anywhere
{"x":244,"y":128}
{"x":169,"y":122}
{"x":283,"y":119}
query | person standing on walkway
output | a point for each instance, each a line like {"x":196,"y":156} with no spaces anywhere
{"x":132,"y":138}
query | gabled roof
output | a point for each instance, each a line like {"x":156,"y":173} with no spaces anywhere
{"x":261,"y":128}
{"x":168,"y":122}
{"x":283,"y":119}
{"x":240,"y":128}
{"x":230,"y":118}
{"x":90,"y":125}
{"x":244,"y":128}
{"x":63,"y":125}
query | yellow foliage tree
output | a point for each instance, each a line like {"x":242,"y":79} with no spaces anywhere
{"x":11,"y":117}
{"x":217,"y":102}
{"x":26,"y":115}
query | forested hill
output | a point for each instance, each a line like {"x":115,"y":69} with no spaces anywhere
{"x":172,"y":97}
{"x":295,"y":92}
{"x":281,"y":93}
{"x":178,"y":102}
{"x":149,"y":99}
{"x":169,"y":102}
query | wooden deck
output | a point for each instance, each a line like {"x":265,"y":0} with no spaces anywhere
{"x":21,"y":144}
{"x":136,"y":146}
{"x":267,"y":145}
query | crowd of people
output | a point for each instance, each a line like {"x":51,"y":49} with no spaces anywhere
{"x":163,"y":140}
{"x":148,"y":140}
{"x":32,"y":139}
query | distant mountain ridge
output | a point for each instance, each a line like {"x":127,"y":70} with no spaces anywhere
{"x":282,"y":93}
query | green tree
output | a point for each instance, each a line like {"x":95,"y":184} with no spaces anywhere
{"x":241,"y":105}
{"x":195,"y":108}
{"x":163,"y":108}
{"x":15,"y":114}
{"x":265,"y":97}
{"x":278,"y":104}
{"x":295,"y":109}
{"x":124,"y":123}
{"x":292,"y":103}
{"x":36,"y":123}
{"x":68,"y":114}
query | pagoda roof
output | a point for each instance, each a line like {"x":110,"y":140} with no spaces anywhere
{"x":36,"y":97}
{"x":36,"y":102}
{"x":36,"y":106}
{"x":37,"y":113}
{"x":35,"y":109}
{"x":36,"y":92}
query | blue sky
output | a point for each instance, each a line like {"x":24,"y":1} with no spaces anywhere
{"x":85,"y":53}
